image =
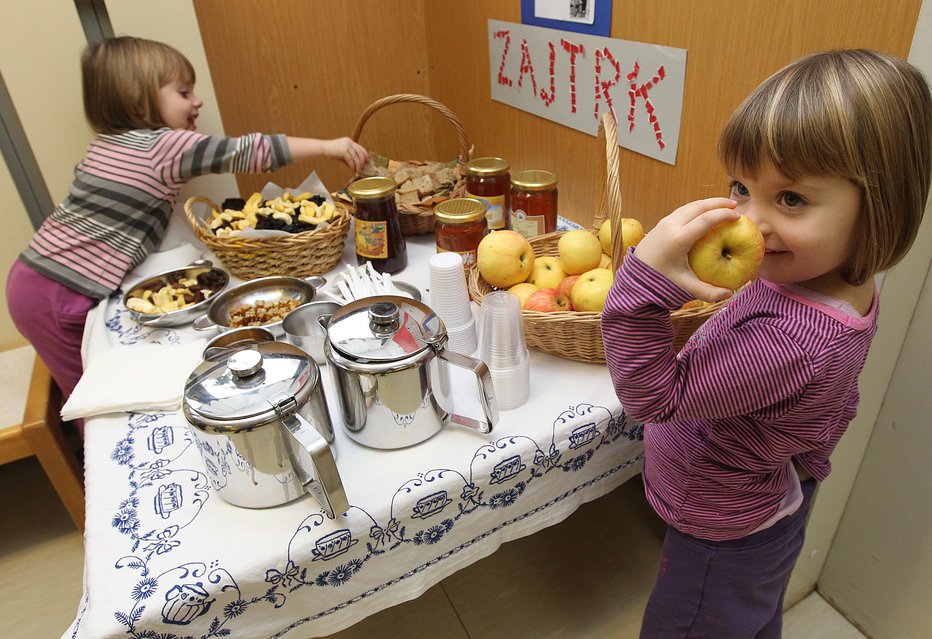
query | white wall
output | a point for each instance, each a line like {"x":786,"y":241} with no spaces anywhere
{"x":879,"y":568}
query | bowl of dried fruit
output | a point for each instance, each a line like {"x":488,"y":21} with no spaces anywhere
{"x":264,"y":301}
{"x":175,"y":297}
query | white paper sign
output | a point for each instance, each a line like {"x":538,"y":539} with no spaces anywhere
{"x":573,"y":78}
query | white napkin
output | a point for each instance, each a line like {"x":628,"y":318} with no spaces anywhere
{"x":134,"y":378}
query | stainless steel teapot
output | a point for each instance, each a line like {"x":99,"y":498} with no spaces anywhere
{"x":392,"y":372}
{"x":259,"y":417}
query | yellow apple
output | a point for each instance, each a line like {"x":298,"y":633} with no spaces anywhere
{"x":632,"y":232}
{"x":579,"y":251}
{"x":606,"y":261}
{"x":605,"y":237}
{"x":591,"y":289}
{"x":547,"y":272}
{"x":728,"y":254}
{"x":547,"y":300}
{"x":505,"y":258}
{"x":522,"y":291}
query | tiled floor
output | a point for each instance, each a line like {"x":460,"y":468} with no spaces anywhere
{"x":587,"y":577}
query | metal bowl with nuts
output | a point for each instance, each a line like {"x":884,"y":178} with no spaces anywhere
{"x":175,"y":297}
{"x":264,"y":301}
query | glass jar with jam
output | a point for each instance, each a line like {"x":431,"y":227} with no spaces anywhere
{"x":533,"y":203}
{"x":460,"y":226}
{"x":487,"y":180}
{"x":379,"y":238}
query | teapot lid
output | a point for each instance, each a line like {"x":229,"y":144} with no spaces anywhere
{"x":384,"y":328}
{"x":240,"y":388}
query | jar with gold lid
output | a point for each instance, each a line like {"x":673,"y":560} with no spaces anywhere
{"x":379,"y":238}
{"x":487,"y":179}
{"x":460,"y":225}
{"x":533,"y":203}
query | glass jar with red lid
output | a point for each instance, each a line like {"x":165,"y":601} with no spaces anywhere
{"x":487,"y":179}
{"x":460,"y":226}
{"x":533,"y":203}
{"x":379,"y":238}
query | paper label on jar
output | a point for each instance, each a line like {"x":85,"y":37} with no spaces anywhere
{"x":372,"y":239}
{"x":469,"y":257}
{"x":527,"y":225}
{"x":494,"y":209}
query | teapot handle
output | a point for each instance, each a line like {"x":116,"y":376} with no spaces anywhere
{"x":323,"y":479}
{"x":489,"y":405}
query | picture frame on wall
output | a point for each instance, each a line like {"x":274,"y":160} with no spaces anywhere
{"x":581,"y":16}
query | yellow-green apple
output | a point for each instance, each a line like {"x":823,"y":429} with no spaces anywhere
{"x":632,"y":232}
{"x":505,"y":258}
{"x":579,"y":251}
{"x":547,"y":272}
{"x":522,"y":291}
{"x":728,"y":254}
{"x":547,"y":300}
{"x":566,"y":286}
{"x":606,"y":261}
{"x":591,"y":289}
{"x":605,"y":237}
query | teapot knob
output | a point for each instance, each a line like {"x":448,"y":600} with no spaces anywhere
{"x":245,"y":362}
{"x":383,"y":313}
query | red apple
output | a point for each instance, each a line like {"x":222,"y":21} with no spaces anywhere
{"x":547,"y":300}
{"x":566,"y":286}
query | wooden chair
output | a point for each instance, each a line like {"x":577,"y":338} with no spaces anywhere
{"x":40,"y":434}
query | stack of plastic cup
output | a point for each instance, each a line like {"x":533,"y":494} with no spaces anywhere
{"x":503,"y":349}
{"x":449,"y":299}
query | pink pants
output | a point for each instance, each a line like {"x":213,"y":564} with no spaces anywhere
{"x":51,"y":316}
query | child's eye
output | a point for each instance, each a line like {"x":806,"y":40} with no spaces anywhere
{"x":792,"y":200}
{"x":738,"y":189}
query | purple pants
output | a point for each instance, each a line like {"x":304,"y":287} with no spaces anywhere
{"x":729,"y":589}
{"x":51,"y":316}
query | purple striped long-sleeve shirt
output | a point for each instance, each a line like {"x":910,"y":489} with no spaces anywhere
{"x":121,"y":200}
{"x":771,"y":378}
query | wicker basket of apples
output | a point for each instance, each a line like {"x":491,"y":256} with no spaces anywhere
{"x":563,"y":278}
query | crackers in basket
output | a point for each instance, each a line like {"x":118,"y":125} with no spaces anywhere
{"x":293,"y":214}
{"x":417,"y":183}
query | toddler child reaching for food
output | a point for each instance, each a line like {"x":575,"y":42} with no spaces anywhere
{"x":831,"y":158}
{"x":139,"y":99}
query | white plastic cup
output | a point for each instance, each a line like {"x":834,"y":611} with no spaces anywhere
{"x":462,"y":339}
{"x":449,"y":296}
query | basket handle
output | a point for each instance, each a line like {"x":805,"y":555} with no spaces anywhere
{"x":197,"y":223}
{"x":465,"y":147}
{"x":610,"y":197}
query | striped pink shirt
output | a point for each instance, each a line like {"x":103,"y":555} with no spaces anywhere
{"x":770,"y":379}
{"x":121,"y":200}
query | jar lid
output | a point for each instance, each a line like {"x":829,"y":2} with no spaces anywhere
{"x":241,"y":388}
{"x":460,"y":210}
{"x":487,"y":167}
{"x":371,"y":188}
{"x":534,"y":180}
{"x":383,"y":329}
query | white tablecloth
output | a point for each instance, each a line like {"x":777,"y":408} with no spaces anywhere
{"x":166,"y":557}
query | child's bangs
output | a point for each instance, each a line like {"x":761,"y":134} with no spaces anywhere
{"x":796,"y":127}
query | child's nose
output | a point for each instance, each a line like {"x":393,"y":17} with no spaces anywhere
{"x":758,"y":215}
{"x":198,"y":103}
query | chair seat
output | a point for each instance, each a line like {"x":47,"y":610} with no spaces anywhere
{"x":40,"y":434}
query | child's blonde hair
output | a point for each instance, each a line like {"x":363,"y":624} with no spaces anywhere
{"x":121,"y":79}
{"x":858,"y":114}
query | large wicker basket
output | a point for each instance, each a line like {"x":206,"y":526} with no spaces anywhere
{"x":418,"y":218}
{"x":297,"y":254}
{"x":578,"y":335}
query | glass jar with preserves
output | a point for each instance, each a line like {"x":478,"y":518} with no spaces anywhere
{"x":487,"y":180}
{"x":460,"y":226}
{"x":533,"y":203}
{"x":379,"y":238}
